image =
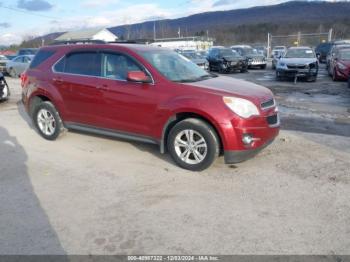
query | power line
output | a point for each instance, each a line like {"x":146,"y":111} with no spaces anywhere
{"x":27,"y":12}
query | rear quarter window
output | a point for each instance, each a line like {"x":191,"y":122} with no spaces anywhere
{"x":41,"y":57}
{"x":80,"y":63}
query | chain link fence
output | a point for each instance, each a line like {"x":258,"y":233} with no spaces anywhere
{"x":300,"y":39}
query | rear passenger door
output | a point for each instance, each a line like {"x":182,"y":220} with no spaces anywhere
{"x":76,"y":77}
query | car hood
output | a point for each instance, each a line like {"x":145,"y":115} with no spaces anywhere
{"x":302,"y":61}
{"x":232,"y":58}
{"x":228,"y":86}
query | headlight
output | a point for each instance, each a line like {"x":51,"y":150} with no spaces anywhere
{"x":281,"y":64}
{"x":341,"y":66}
{"x":242,"y":107}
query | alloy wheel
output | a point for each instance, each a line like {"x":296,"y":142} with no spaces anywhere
{"x":190,"y":147}
{"x":46,"y":122}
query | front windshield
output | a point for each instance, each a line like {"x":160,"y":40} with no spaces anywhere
{"x":175,"y":67}
{"x":249,"y":51}
{"x":345,"y":55}
{"x":228,"y":52}
{"x":3,"y":57}
{"x":300,"y":53}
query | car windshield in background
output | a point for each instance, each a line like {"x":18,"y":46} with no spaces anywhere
{"x":300,"y":53}
{"x":175,"y":67}
{"x":345,"y":55}
{"x":250,"y":51}
{"x":192,"y":55}
{"x":228,"y":52}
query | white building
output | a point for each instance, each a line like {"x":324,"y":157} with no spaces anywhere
{"x":88,"y":34}
{"x":185,"y":43}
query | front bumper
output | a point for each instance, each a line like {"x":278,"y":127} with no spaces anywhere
{"x":234,"y":66}
{"x":238,"y":156}
{"x":262,"y":131}
{"x":282,"y":72}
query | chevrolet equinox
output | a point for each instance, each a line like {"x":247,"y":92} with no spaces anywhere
{"x":148,"y":94}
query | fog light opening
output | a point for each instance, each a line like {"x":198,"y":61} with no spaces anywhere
{"x":247,"y":139}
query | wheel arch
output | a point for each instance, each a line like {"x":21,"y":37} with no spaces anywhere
{"x":36,"y":99}
{"x":177,"y":117}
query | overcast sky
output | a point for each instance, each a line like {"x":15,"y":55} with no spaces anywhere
{"x":22,"y":18}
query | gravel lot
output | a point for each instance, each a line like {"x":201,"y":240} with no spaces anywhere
{"x":85,"y":194}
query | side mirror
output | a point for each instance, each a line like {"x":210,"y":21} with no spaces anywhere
{"x":138,"y":76}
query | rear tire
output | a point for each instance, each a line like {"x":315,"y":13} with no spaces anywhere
{"x":263,"y":67}
{"x":193,"y":144}
{"x":47,"y":120}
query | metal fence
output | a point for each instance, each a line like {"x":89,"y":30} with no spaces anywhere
{"x":299,"y":39}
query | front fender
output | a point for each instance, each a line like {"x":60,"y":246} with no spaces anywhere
{"x":207,"y":109}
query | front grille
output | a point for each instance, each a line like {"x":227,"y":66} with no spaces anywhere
{"x":268,"y":104}
{"x":2,"y":64}
{"x":272,"y":120}
{"x":297,"y":66}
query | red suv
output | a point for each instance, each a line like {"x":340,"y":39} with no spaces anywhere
{"x":149,"y":94}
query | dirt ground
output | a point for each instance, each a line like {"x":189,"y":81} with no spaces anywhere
{"x":84,"y":194}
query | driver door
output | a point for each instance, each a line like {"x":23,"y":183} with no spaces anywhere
{"x":130,"y":106}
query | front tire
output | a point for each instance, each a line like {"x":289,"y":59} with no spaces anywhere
{"x":47,"y":120}
{"x":193,"y":144}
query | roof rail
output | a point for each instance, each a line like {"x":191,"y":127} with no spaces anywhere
{"x":75,"y":42}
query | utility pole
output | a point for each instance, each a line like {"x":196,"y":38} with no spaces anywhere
{"x":330,"y":35}
{"x":154,"y":30}
{"x":268,"y":44}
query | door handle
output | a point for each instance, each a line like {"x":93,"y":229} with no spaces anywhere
{"x":58,"y":80}
{"x":103,"y":87}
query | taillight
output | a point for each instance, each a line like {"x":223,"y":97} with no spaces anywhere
{"x":24,"y":78}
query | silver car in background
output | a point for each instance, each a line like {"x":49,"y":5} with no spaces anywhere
{"x":3,"y":62}
{"x":18,"y":65}
{"x":298,"y":62}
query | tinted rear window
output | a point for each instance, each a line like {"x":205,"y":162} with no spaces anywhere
{"x":40,"y":57}
{"x":82,"y":63}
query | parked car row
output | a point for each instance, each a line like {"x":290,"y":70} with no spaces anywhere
{"x":16,"y":65}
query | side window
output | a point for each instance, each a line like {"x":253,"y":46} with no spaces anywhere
{"x":26,"y":60}
{"x":80,"y":63}
{"x":117,"y":66}
{"x":40,"y":57}
{"x":18,"y":59}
